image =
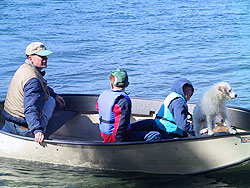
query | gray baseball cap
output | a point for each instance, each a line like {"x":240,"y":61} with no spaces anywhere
{"x":37,"y":48}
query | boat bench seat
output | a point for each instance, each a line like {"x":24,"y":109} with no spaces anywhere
{"x":59,"y":118}
{"x":78,"y":126}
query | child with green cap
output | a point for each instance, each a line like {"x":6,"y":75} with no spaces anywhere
{"x":114,"y":107}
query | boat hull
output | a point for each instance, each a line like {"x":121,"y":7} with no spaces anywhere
{"x":183,"y":156}
{"x":76,"y":141}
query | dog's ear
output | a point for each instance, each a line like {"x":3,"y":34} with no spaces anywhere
{"x":221,"y":88}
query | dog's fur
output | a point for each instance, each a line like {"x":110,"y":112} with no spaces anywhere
{"x":212,"y":104}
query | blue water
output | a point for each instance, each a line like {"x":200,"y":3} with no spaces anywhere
{"x":155,"y":41}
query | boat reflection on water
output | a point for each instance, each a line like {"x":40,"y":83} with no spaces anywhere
{"x":21,"y":173}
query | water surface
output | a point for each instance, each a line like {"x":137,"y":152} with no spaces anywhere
{"x":155,"y":41}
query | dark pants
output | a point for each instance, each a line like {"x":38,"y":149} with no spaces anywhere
{"x":146,"y":130}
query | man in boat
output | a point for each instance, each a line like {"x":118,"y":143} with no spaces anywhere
{"x":114,"y":107}
{"x":173,"y":114}
{"x":30,"y":102}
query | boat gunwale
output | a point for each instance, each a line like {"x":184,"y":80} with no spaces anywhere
{"x":150,"y":99}
{"x":88,"y":143}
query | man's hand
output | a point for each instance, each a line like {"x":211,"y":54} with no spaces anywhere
{"x":60,"y":101}
{"x":39,"y":137}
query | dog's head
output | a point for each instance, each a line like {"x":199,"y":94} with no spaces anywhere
{"x":226,"y":90}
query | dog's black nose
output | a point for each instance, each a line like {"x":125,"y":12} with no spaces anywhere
{"x":235,"y":95}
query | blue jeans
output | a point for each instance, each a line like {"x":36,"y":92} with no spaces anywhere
{"x":48,"y":109}
{"x":13,"y":128}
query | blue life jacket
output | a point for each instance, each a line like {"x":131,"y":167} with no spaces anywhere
{"x":164,"y":118}
{"x":106,"y":102}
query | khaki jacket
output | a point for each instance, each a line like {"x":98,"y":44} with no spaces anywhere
{"x":14,"y":103}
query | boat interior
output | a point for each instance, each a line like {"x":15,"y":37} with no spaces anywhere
{"x":79,"y":120}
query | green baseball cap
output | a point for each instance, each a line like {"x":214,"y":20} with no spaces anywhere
{"x":121,"y":78}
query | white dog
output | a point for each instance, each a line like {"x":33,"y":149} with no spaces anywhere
{"x":212,"y":104}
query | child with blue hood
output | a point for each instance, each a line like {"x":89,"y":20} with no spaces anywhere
{"x":173,"y":114}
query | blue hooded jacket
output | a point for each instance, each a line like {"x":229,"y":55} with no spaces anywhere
{"x":179,"y":108}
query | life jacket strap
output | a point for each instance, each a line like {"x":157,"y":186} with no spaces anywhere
{"x":159,"y":117}
{"x":104,"y":121}
{"x":173,"y":100}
